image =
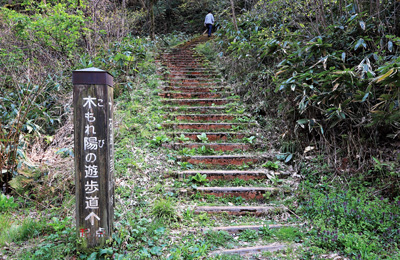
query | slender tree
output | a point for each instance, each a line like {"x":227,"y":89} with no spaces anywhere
{"x":234,"y":15}
{"x":152,"y":19}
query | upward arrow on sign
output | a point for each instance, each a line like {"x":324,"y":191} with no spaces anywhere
{"x":91,"y":216}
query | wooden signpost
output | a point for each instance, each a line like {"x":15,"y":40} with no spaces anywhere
{"x":94,"y":155}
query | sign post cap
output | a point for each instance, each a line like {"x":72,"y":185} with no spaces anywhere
{"x":92,"y":76}
{"x":91,"y":69}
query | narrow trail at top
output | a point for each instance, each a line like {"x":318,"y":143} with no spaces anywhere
{"x":204,"y":116}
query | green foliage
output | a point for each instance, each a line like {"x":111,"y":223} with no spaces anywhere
{"x":218,"y":238}
{"x":186,"y":151}
{"x":164,"y":209}
{"x":25,"y":230}
{"x":105,"y":253}
{"x":57,"y":29}
{"x":173,"y":39}
{"x":182,"y":138}
{"x":227,"y":257}
{"x":185,"y":165}
{"x":249,"y":140}
{"x":248,"y":235}
{"x":286,"y":157}
{"x":65,"y":152}
{"x":49,"y":249}
{"x":126,"y":57}
{"x":184,"y":16}
{"x":207,"y":50}
{"x":352,"y":221}
{"x":24,"y":114}
{"x":203,"y":137}
{"x":203,"y":150}
{"x":265,"y":232}
{"x":213,"y":199}
{"x":271,"y":165}
{"x":7,"y":203}
{"x":192,"y":249}
{"x":159,"y":140}
{"x":289,"y":234}
{"x":239,"y":182}
{"x":199,"y":178}
{"x":323,"y":77}
{"x":41,"y":45}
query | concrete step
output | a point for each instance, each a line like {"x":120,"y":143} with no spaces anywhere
{"x":191,"y":89}
{"x":176,"y":62}
{"x":175,"y":68}
{"x":248,"y":193}
{"x":194,"y":79}
{"x":194,"y":84}
{"x":178,"y":65}
{"x":199,"y":83}
{"x":187,"y":56}
{"x":231,"y":174}
{"x":204,"y":78}
{"x":191,"y":68}
{"x":212,"y":136}
{"x":214,"y":146}
{"x":237,"y":229}
{"x":184,"y":62}
{"x":181,"y":58}
{"x":191,"y":80}
{"x":193,"y":71}
{"x":250,"y":250}
{"x":240,"y":210}
{"x":199,"y":109}
{"x":177,"y":95}
{"x":221,"y":159}
{"x":201,"y":126}
{"x":200,"y":102}
{"x":203,"y":118}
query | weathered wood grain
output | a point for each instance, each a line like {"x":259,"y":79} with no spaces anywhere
{"x":94,"y":157}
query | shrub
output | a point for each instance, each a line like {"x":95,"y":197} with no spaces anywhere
{"x":331,"y":77}
{"x":164,"y":209}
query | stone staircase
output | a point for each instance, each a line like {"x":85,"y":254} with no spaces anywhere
{"x":196,"y":100}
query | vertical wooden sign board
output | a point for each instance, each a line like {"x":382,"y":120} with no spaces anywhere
{"x":94,"y":156}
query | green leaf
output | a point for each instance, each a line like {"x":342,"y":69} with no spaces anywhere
{"x":365,"y":97}
{"x":93,"y":256}
{"x":106,"y":251}
{"x":362,"y":24}
{"x":281,"y":157}
{"x":376,"y":160}
{"x":156,"y":250}
{"x":390,"y":46}
{"x":384,"y":76}
{"x":303,"y":121}
{"x":359,"y":43}
{"x":352,"y":17}
{"x":288,"y":158}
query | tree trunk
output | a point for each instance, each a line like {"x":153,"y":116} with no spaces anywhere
{"x":152,"y":22}
{"x":378,"y":8}
{"x":143,"y":4}
{"x":340,"y":8}
{"x":234,"y":15}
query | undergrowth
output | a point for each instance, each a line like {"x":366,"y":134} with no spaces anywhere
{"x":331,"y":81}
{"x":350,"y":218}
